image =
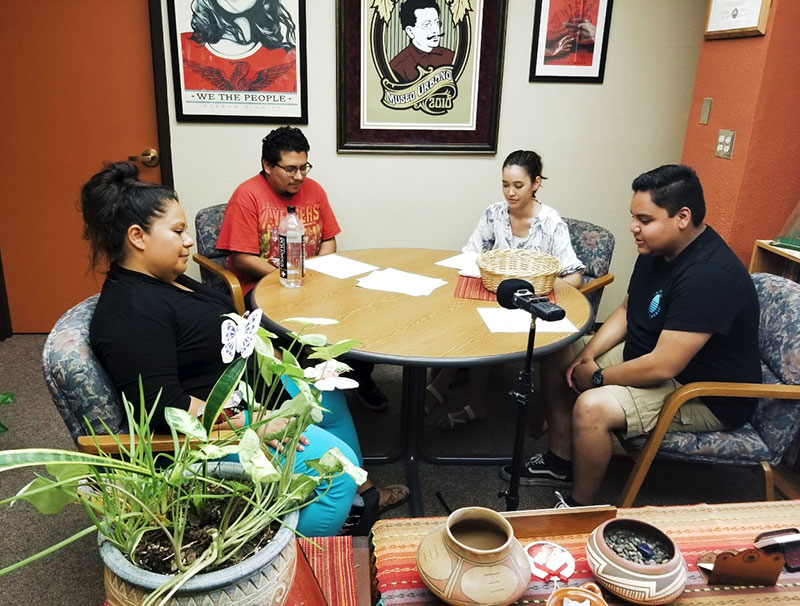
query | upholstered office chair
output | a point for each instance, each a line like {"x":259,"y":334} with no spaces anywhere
{"x":212,"y":261}
{"x":761,"y":443}
{"x":80,"y":386}
{"x":594,"y":245}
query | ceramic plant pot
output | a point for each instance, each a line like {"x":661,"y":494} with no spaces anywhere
{"x":588,"y":594}
{"x":264,"y":578}
{"x":474,"y":559}
{"x":640,"y":583}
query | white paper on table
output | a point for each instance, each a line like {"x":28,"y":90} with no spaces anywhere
{"x":338,"y":266}
{"x":499,"y":319}
{"x":464,"y":263}
{"x":394,"y":280}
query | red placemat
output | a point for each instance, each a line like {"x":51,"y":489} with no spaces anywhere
{"x":472,"y":288}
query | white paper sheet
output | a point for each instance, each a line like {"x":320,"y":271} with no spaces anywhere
{"x":394,"y":280}
{"x":464,"y":263}
{"x":338,"y":266}
{"x":498,"y":319}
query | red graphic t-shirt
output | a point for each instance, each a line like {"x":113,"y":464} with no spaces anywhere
{"x":255,"y":211}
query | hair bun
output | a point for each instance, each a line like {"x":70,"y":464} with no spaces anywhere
{"x":120,"y":172}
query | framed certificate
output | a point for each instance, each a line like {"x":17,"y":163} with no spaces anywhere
{"x":737,"y":18}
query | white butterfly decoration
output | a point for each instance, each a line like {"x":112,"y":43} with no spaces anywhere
{"x":326,"y":376}
{"x":240,"y":336}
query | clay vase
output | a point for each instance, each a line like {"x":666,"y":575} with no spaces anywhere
{"x":474,"y":559}
{"x":637,"y":583}
{"x":588,"y":593}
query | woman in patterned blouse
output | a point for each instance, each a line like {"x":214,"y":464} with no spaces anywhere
{"x":519,"y":222}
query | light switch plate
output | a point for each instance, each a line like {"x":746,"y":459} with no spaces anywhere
{"x":705,"y":110}
{"x":725,"y":143}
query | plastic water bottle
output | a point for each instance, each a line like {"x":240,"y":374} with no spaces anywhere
{"x":291,"y":240}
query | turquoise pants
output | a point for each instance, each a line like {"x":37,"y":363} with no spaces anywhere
{"x":325,"y":516}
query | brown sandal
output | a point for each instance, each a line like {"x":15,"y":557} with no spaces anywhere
{"x":398,"y":494}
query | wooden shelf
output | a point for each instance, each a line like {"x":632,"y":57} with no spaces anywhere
{"x":775,"y":260}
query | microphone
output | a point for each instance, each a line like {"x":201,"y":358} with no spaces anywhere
{"x":518,"y":294}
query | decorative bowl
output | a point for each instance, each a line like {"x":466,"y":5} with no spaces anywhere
{"x":474,"y":559}
{"x":624,"y":571}
{"x":588,"y":594}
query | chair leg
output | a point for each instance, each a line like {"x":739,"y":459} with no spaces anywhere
{"x":640,"y":468}
{"x":767,"y":481}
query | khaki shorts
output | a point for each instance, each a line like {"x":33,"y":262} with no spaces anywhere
{"x":642,"y":405}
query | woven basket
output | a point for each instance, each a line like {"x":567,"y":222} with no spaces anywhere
{"x":539,"y":269}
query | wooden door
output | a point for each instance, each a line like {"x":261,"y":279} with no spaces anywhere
{"x":78,"y":92}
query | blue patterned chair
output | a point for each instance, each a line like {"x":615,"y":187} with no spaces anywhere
{"x":775,"y":423}
{"x":594,"y":246}
{"x":212,"y":262}
{"x":79,"y":385}
{"x":81,"y":388}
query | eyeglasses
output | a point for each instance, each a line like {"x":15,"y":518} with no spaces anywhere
{"x":292,"y":170}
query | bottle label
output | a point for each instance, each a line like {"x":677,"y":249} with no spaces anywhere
{"x":282,"y":250}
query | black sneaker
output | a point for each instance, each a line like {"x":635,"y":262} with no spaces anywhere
{"x":561,"y":502}
{"x":538,"y":472}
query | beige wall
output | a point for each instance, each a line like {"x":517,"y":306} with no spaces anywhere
{"x":593,"y":138}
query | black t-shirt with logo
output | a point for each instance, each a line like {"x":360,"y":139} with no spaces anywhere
{"x":704,"y":289}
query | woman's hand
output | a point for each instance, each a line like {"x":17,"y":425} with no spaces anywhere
{"x":277,"y":425}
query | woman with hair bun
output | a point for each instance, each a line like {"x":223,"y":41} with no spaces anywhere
{"x":521,"y":221}
{"x":155,"y":322}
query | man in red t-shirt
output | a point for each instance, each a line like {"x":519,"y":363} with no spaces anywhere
{"x":250,"y":228}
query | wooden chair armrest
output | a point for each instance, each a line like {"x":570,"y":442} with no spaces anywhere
{"x":108,"y":443}
{"x":677,"y":399}
{"x":596,"y":284}
{"x":234,"y":286}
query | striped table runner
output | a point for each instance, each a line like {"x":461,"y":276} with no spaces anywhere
{"x":333,"y":568}
{"x":696,"y":529}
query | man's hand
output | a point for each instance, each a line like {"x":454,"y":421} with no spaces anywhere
{"x":575,"y":370}
{"x":582,"y":375}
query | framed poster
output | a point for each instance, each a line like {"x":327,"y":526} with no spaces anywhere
{"x":239,"y":60}
{"x":570,"y":40}
{"x":736,"y":18}
{"x":419,"y":75}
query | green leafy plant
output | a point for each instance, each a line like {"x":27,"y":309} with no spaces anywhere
{"x":5,"y":398}
{"x":142,"y":492}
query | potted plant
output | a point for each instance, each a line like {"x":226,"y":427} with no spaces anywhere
{"x":191,"y":510}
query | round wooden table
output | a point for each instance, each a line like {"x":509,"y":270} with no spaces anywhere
{"x":413,"y":332}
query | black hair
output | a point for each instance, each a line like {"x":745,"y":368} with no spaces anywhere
{"x":672,"y":187}
{"x":283,"y":139}
{"x":409,"y":8}
{"x":112,"y":201}
{"x":210,"y":22}
{"x":529,"y":160}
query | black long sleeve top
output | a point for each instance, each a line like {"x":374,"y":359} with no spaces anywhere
{"x":169,"y":336}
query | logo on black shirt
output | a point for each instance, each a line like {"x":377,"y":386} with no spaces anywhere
{"x":655,"y":305}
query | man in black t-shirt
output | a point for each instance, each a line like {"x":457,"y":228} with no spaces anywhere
{"x":691,"y":314}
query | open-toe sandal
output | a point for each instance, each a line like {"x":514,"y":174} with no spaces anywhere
{"x":452,"y":420}
{"x":433,"y":399}
{"x":398,"y":494}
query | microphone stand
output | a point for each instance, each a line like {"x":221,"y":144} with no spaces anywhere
{"x":523,"y":398}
